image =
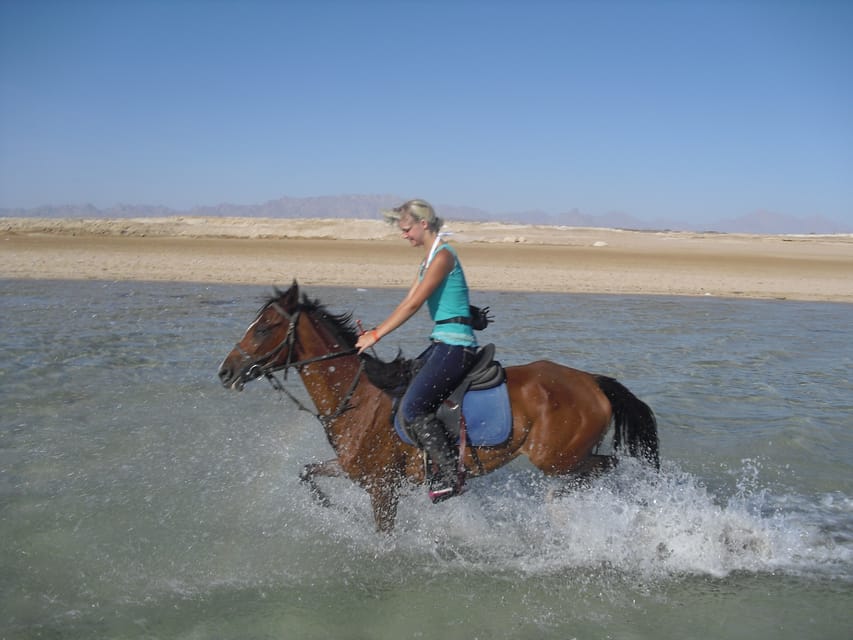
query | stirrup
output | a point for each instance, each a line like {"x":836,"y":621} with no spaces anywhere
{"x":440,"y":494}
{"x":439,"y":491}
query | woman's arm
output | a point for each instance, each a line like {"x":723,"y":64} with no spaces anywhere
{"x":441,"y":265}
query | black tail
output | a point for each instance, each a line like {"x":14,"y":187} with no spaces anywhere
{"x":634,"y":421}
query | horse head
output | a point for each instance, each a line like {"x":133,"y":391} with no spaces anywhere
{"x":268,"y":343}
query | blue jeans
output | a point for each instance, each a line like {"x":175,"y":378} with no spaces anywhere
{"x":442,"y":370}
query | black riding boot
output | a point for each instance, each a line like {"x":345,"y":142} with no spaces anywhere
{"x":433,"y":439}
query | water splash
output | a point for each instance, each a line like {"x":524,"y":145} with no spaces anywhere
{"x":632,"y":521}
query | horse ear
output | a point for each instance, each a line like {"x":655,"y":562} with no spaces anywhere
{"x":291,"y":296}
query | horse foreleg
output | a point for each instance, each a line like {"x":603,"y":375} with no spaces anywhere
{"x":327,"y":469}
{"x":384,"y":498}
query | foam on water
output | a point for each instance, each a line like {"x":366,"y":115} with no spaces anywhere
{"x":657,"y":526}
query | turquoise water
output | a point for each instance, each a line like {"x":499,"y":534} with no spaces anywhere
{"x":139,"y":499}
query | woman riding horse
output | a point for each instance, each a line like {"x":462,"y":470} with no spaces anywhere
{"x":440,"y":283}
{"x":559,"y":414}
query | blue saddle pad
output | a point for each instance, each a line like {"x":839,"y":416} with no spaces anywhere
{"x":487,"y":414}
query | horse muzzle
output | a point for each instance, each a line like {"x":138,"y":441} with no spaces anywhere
{"x":229,"y":379}
{"x":235,"y":376}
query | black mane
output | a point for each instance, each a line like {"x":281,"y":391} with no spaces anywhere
{"x":341,"y":324}
{"x":392,"y":377}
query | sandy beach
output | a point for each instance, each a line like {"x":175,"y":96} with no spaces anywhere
{"x":369,"y":253}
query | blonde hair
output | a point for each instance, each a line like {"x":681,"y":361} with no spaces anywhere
{"x":418,"y":210}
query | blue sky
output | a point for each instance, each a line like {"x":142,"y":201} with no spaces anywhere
{"x":691,"y":111}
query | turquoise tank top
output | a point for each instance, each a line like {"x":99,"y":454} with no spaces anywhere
{"x":449,"y":300}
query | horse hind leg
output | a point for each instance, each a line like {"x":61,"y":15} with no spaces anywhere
{"x":583,"y":474}
{"x":327,"y":469}
{"x":595,"y":465}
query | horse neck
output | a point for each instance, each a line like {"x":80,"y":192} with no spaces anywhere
{"x":327,"y":381}
{"x":358,"y":411}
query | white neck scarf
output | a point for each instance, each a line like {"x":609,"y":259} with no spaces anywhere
{"x":438,"y":238}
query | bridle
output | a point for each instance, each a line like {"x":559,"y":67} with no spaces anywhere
{"x":262,"y":365}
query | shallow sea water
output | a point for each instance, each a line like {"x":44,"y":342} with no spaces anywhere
{"x":139,"y":499}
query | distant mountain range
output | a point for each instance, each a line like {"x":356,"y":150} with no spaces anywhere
{"x":368,"y":206}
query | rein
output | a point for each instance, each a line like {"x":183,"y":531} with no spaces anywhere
{"x":289,"y":342}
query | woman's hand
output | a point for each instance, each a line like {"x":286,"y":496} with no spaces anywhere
{"x":367,"y":340}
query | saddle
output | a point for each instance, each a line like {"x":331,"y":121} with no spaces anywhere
{"x":488,"y":412}
{"x":486,"y":373}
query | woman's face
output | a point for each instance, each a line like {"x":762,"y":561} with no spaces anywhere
{"x":413,"y":230}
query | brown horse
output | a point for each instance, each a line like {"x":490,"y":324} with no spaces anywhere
{"x":559,"y":414}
